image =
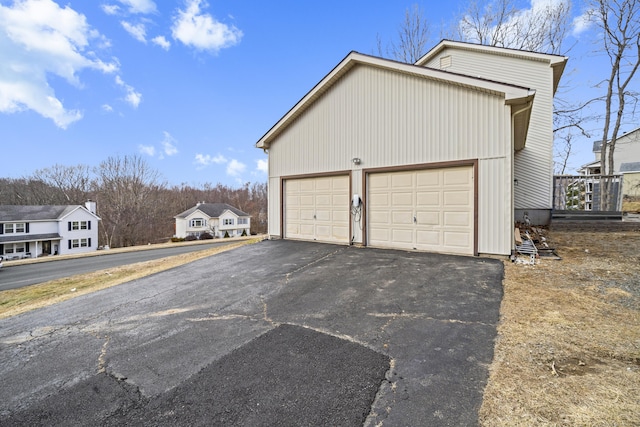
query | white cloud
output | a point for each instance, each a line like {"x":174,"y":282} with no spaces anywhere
{"x":107,"y":108}
{"x":38,"y":38}
{"x":132,"y":97}
{"x":149,"y":150}
{"x":137,"y":31}
{"x":162,"y":42}
{"x":201,"y":30}
{"x":262,"y":166}
{"x":581,"y":23}
{"x":140,"y":6}
{"x":235,"y":168}
{"x":207,"y":159}
{"x":168,"y":144}
{"x":110,"y":9}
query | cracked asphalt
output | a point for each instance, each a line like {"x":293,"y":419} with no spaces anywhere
{"x":274,"y":333}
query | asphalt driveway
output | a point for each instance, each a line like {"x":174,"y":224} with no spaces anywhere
{"x":274,"y":333}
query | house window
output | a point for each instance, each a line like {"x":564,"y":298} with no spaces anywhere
{"x":80,"y":243}
{"x":83,"y":225}
{"x":20,"y":248}
{"x":17,"y":227}
{"x":228,"y":221}
{"x":75,"y":225}
{"x":243,"y":221}
{"x":197,"y":222}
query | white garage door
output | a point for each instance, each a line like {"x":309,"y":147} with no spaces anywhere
{"x":317,"y":209}
{"x":430,"y":210}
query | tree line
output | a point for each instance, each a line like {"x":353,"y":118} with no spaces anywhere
{"x":135,"y":205}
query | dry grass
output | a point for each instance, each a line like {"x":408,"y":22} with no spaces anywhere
{"x":631,"y":206}
{"x":568,"y":351}
{"x":16,"y":301}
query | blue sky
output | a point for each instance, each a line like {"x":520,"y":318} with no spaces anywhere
{"x":189,"y":85}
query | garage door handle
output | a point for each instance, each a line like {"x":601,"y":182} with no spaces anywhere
{"x":415,"y":220}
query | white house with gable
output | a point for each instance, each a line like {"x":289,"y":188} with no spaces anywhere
{"x":216,"y":219}
{"x":37,"y":230}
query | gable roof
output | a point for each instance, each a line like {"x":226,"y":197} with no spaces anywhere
{"x":514,"y":95}
{"x":213,"y":210}
{"x":556,"y":62}
{"x":38,"y":212}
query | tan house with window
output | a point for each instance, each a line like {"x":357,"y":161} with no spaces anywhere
{"x":33,"y":231}
{"x":442,"y":155}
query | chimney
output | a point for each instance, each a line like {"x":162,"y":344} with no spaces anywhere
{"x":91,"y":206}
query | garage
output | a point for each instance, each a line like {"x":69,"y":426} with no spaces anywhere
{"x":427,"y":209}
{"x":317,"y":208}
{"x":444,"y":154}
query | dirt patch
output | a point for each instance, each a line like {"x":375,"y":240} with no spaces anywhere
{"x":568,"y":349}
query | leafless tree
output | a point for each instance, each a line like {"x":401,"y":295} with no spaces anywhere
{"x":412,"y":38}
{"x":69,"y":184}
{"x":542,"y":28}
{"x":126,"y":190}
{"x":619,"y":21}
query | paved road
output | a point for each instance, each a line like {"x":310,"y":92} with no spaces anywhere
{"x":19,"y":275}
{"x":275,"y":333}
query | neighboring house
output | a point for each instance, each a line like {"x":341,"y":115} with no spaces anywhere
{"x":443,"y":155}
{"x":626,"y":162}
{"x":216,"y":219}
{"x":33,"y":231}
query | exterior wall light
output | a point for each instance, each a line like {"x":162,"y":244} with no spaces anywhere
{"x":356,"y":161}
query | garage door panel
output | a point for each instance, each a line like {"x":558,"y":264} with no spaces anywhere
{"x":457,"y":176}
{"x":457,"y":219}
{"x":402,"y":199}
{"x":430,"y":238}
{"x":441,"y":200}
{"x":456,"y":240}
{"x":428,"y":198}
{"x":428,"y":218}
{"x":402,"y":180}
{"x":379,"y":235}
{"x":380,"y":217}
{"x":458,"y":198}
{"x":378,"y":199}
{"x":430,"y":178}
{"x":402,"y":217}
{"x":379,"y":181}
{"x":317,"y":209}
{"x":402,"y":236}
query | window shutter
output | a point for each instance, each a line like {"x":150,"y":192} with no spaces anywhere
{"x":1,"y":228}
{"x":26,"y":229}
{"x":69,"y":242}
{"x":89,"y":228}
{"x":69,"y":224}
{"x":1,"y":247}
{"x":89,"y":240}
{"x":27,"y":247}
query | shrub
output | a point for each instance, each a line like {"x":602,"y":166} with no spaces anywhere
{"x":206,"y":236}
{"x":190,"y":238}
{"x":226,"y":234}
{"x":177,"y":239}
{"x":244,"y":232}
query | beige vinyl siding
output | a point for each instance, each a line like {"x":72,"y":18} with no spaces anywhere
{"x":391,"y":119}
{"x":533,"y":164}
